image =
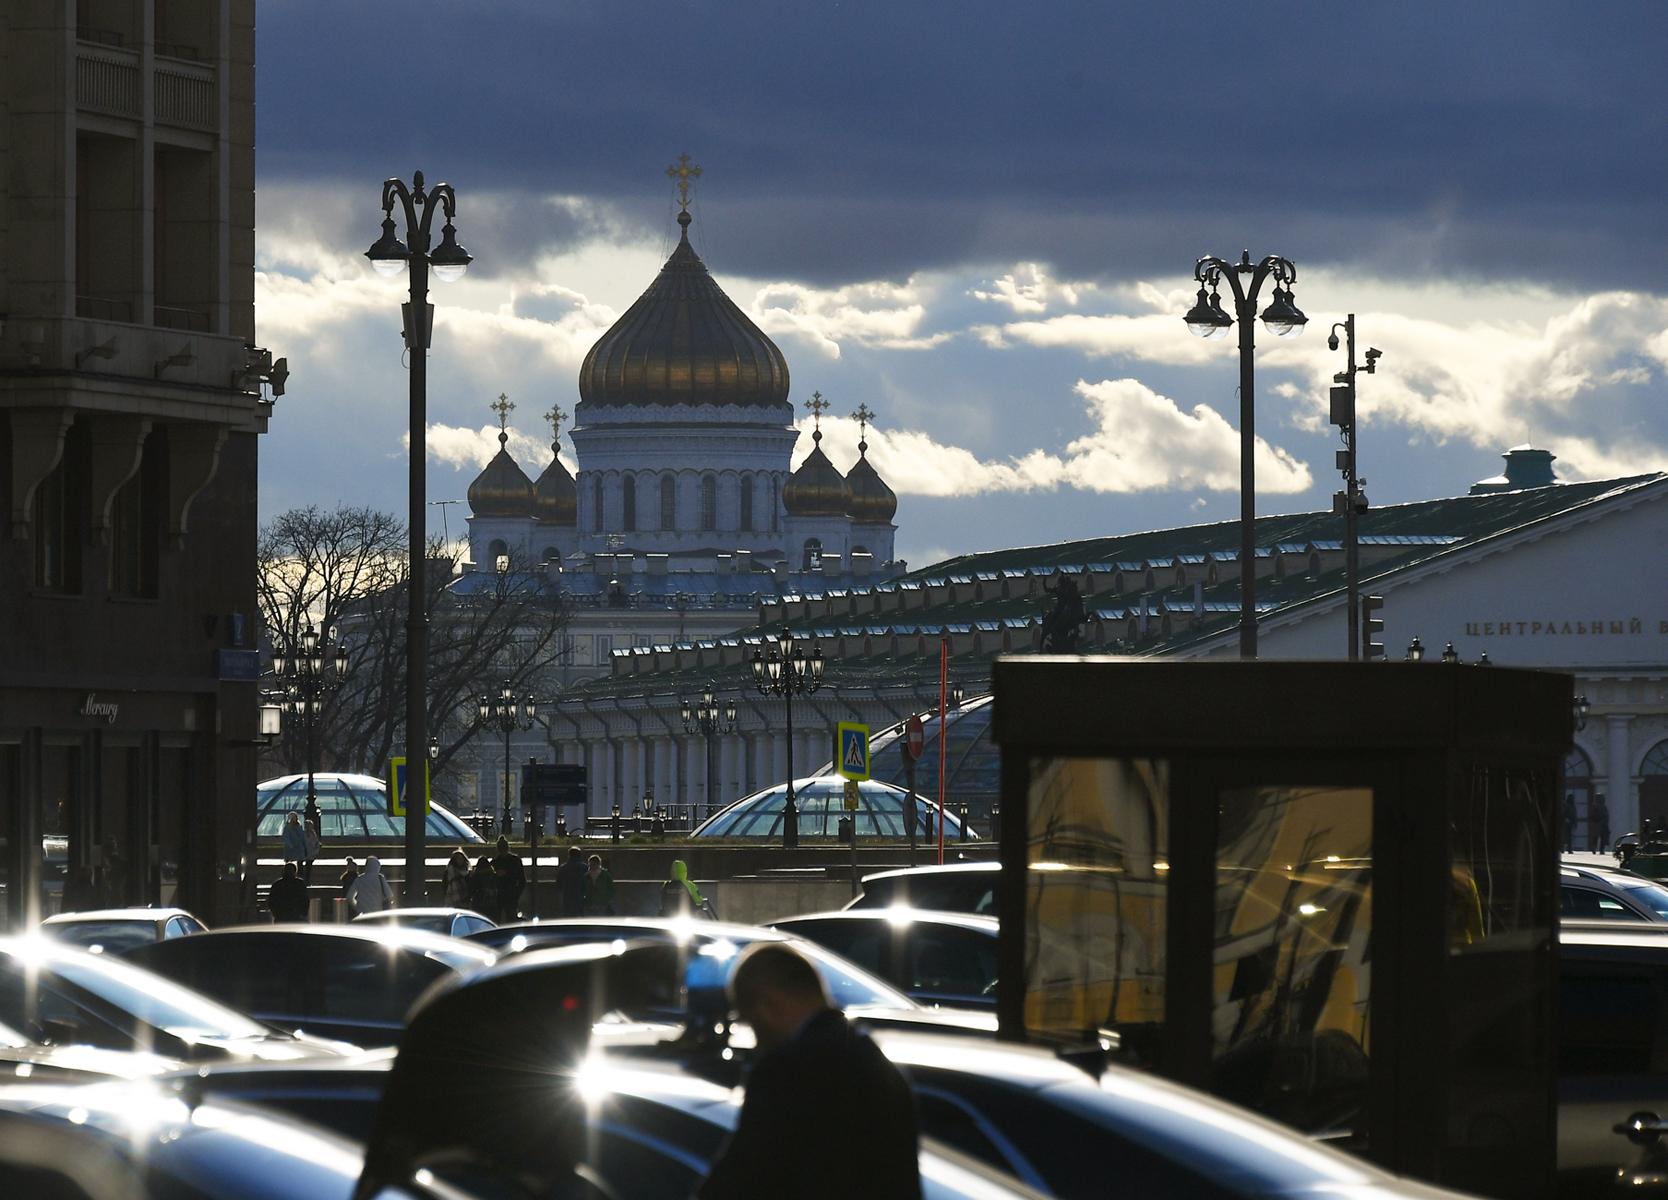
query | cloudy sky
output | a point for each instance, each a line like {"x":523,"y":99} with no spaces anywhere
{"x":981,"y":219}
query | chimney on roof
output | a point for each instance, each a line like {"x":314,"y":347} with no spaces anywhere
{"x":1526,"y":467}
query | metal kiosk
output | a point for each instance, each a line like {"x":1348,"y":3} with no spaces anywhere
{"x":1325,"y":891}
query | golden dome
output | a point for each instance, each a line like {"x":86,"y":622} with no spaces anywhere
{"x":502,"y":489}
{"x":684,"y":342}
{"x":872,"y":502}
{"x":817,"y":489}
{"x":555,"y":495}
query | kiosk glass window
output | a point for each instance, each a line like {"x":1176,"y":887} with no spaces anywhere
{"x":1097,"y":853}
{"x":1290,"y":968}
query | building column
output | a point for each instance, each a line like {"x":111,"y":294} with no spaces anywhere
{"x":727,"y":790}
{"x":662,"y":772}
{"x":696,"y":751}
{"x":640,"y":765}
{"x":778,"y":757}
{"x":1618,"y":784}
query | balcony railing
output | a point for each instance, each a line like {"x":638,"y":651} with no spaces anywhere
{"x":100,"y":308}
{"x":190,"y":319}
{"x":107,"y":79}
{"x":184,"y":94}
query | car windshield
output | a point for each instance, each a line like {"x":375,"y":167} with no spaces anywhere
{"x":1647,"y":892}
{"x":849,"y":986}
{"x":154,"y":1000}
{"x":114,"y":937}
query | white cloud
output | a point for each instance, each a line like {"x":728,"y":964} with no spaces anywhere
{"x":1028,"y":289}
{"x":1142,"y":441}
{"x":464,"y":448}
{"x":879,"y":314}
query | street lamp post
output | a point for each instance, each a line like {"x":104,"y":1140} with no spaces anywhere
{"x":1282,"y":318}
{"x":506,"y":713}
{"x":449,"y":260}
{"x":787,"y":671}
{"x":313,"y":667}
{"x":1352,"y":501}
{"x":705,"y":717}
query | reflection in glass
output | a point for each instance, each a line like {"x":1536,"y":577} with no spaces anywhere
{"x":1094,"y":941}
{"x":1292,"y":920}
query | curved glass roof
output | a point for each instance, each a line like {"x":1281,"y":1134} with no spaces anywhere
{"x":821,"y":802}
{"x":972,"y":761}
{"x":352,"y":808}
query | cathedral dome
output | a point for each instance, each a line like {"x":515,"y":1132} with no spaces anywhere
{"x":502,"y":489}
{"x":817,"y":489}
{"x":684,"y":342}
{"x":555,"y":496}
{"x":872,"y":502}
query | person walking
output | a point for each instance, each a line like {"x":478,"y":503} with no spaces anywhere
{"x":1570,"y":820}
{"x":511,"y":879}
{"x":454,"y":882}
{"x":370,"y":893}
{"x":570,"y":884}
{"x":1599,"y":816}
{"x":483,"y":888}
{"x":112,"y":884}
{"x":350,"y":872}
{"x":295,"y":840}
{"x":813,"y":1071}
{"x":287,"y":897}
{"x":599,"y":889}
{"x":678,"y":895}
{"x":310,"y":832}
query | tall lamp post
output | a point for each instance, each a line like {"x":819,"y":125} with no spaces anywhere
{"x":449,"y":260}
{"x":312,"y":668}
{"x":1282,"y":318}
{"x":506,"y":713}
{"x":787,"y":671}
{"x":705,"y":717}
{"x":1352,"y":501}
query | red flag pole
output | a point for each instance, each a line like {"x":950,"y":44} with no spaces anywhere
{"x":943,"y":710}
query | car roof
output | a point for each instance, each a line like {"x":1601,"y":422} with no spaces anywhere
{"x":896,"y":917}
{"x":1647,"y":935}
{"x":399,"y":937}
{"x":117,"y":914}
{"x":394,"y":914}
{"x":679,"y":926}
{"x":961,"y":868}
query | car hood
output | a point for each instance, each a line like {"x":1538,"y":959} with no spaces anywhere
{"x":70,"y":1064}
{"x":927,"y":1020}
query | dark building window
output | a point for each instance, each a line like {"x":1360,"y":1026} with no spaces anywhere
{"x":60,"y":518}
{"x":136,"y":524}
{"x":668,"y":502}
{"x":184,"y":261}
{"x":596,"y":504}
{"x":106,"y":227}
{"x":709,"y":502}
{"x":813,"y":554}
{"x":628,"y":503}
{"x":746,"y":502}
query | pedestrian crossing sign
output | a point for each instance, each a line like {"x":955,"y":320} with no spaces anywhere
{"x":396,"y":787}
{"x":851,"y":747}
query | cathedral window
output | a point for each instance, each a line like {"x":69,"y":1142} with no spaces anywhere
{"x":668,"y":502}
{"x":813,"y":554}
{"x":628,"y":503}
{"x":746,"y":503}
{"x":596,"y":504}
{"x":709,"y":502}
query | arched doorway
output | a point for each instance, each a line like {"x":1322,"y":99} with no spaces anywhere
{"x":1578,"y":787}
{"x":1653,"y":786}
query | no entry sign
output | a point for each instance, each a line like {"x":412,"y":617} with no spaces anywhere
{"x":915,"y":738}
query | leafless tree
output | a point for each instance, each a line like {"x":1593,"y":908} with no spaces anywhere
{"x":344,"y":571}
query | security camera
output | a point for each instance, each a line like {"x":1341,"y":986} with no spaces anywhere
{"x":1373,"y":355}
{"x":1332,"y":342}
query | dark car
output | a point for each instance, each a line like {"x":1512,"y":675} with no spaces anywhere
{"x":61,"y":995}
{"x":954,"y":887}
{"x":714,"y":946}
{"x":1587,"y":893}
{"x":449,"y":922}
{"x":353,"y":982}
{"x":114,"y":930}
{"x":23,"y":1058}
{"x":934,"y":957}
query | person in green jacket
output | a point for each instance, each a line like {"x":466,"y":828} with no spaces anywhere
{"x":678,"y":895}
{"x":599,"y":888}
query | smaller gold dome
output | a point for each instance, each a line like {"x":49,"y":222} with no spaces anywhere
{"x":872,"y":502}
{"x":555,"y":495}
{"x":817,"y":489}
{"x":502,"y":489}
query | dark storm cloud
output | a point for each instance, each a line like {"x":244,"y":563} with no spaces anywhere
{"x":850,"y":141}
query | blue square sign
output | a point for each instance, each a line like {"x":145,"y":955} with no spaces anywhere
{"x":851,"y":757}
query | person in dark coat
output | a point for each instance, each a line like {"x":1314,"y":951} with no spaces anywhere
{"x":350,"y":872}
{"x":570,"y":884}
{"x":1599,"y":837}
{"x":1570,"y":821}
{"x":483,"y":888}
{"x":599,"y":888}
{"x":512,"y":877}
{"x":287,"y":897}
{"x":814,"y":1071}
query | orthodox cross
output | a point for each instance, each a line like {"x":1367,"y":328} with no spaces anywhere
{"x":683,"y":171}
{"x":862,"y":416}
{"x":556,"y":416}
{"x":816,"y":406}
{"x":503,"y":407}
